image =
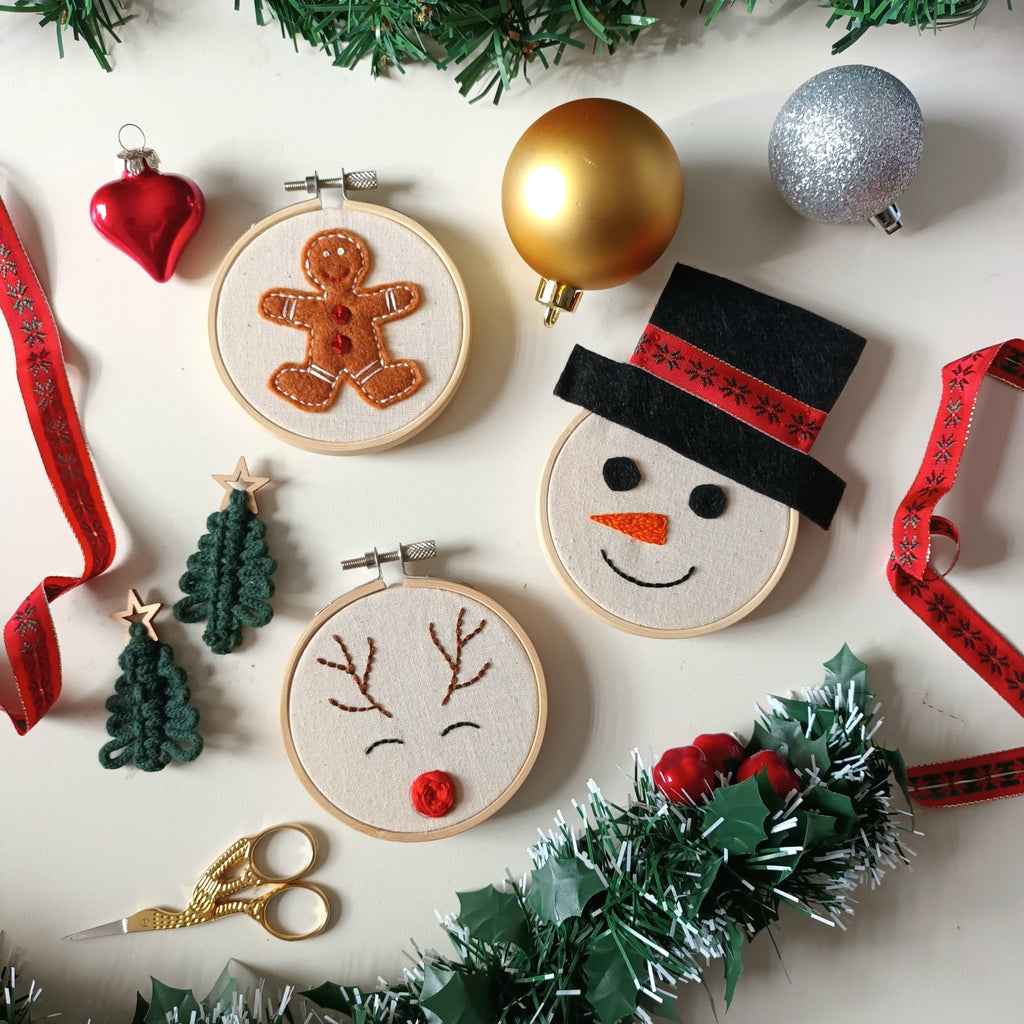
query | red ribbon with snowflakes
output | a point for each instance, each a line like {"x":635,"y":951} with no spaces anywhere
{"x":29,"y":634}
{"x":928,"y":594}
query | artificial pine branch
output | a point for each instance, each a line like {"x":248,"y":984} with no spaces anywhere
{"x":486,"y":45}
{"x":91,"y":20}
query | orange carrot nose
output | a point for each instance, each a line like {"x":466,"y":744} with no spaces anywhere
{"x":649,"y":527}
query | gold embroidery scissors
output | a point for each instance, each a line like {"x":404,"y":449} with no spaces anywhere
{"x":215,"y":894}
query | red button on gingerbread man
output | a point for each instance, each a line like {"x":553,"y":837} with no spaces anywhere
{"x":343,"y":325}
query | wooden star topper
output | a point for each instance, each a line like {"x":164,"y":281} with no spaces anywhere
{"x":137,"y":612}
{"x":249,"y":484}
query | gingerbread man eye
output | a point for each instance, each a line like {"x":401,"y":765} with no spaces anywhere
{"x":326,"y":253}
{"x":341,"y":251}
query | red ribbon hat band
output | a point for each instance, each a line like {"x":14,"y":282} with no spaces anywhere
{"x":734,"y":379}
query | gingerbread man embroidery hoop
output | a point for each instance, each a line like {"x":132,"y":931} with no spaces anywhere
{"x":669,"y":508}
{"x":412,"y":710}
{"x":340,"y":328}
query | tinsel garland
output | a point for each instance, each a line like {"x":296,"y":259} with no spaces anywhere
{"x":485,"y":44}
{"x":626,"y":901}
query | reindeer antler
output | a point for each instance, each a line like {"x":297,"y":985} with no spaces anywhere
{"x":362,"y":683}
{"x":455,"y":664}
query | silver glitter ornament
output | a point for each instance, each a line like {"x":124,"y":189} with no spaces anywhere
{"x":845,"y":145}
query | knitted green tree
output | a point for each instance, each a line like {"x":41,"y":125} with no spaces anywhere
{"x":151,"y":720}
{"x":227,"y":582}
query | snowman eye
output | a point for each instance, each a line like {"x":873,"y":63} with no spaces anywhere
{"x":341,"y":251}
{"x":458,"y":725}
{"x":707,"y":501}
{"x":621,"y":473}
{"x":379,"y":743}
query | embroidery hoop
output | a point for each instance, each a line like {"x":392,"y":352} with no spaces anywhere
{"x":246,"y":395}
{"x":374,"y":559}
{"x":638,"y":629}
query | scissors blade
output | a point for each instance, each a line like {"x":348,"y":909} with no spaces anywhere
{"x":118,"y":927}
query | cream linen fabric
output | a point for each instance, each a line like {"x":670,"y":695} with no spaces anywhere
{"x":251,"y":348}
{"x":732,"y":556}
{"x":409,"y":678}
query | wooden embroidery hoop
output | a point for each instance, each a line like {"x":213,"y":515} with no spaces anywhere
{"x":638,"y":629}
{"x":330,"y":447}
{"x":416,"y":582}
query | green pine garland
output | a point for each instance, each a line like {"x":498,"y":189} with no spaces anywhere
{"x":633,"y":899}
{"x":487,"y":45}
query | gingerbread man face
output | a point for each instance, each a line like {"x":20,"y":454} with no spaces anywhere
{"x":415,"y":711}
{"x":335,"y":258}
{"x":343,"y":324}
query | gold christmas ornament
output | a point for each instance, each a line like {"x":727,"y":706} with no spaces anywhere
{"x":591,"y":197}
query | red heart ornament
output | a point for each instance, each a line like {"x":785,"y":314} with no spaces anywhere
{"x":149,"y":216}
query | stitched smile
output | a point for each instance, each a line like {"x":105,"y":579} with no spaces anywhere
{"x":644,"y":583}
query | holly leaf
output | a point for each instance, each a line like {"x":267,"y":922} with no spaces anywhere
{"x":742,"y":812}
{"x":562,"y":887}
{"x":610,"y":972}
{"x":223,"y":989}
{"x":455,"y":997}
{"x":898,"y":767}
{"x":814,"y":719}
{"x":839,"y":807}
{"x":819,"y":829}
{"x":166,"y":1000}
{"x":141,"y":1006}
{"x":789,"y":741}
{"x":845,"y":670}
{"x":733,"y":950}
{"x":494,"y":916}
{"x":698,"y":885}
{"x":329,"y":996}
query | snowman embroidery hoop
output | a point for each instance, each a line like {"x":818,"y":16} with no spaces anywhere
{"x":670,"y":507}
{"x":339,"y":361}
{"x":413,"y":710}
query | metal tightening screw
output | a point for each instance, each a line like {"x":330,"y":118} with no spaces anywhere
{"x":415,"y":552}
{"x":357,"y":181}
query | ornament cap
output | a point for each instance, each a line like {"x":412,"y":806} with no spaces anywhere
{"x":889,"y":220}
{"x":558,"y":298}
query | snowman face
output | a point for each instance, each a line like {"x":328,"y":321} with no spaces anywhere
{"x":654,"y":540}
{"x":415,"y":711}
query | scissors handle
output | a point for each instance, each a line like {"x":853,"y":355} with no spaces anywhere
{"x":236,"y":869}
{"x":257,"y":908}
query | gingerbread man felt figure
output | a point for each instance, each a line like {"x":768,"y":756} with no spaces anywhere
{"x":344,"y":328}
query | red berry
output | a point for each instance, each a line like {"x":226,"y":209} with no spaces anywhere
{"x":781,"y":777}
{"x":720,"y":748}
{"x":684,"y":775}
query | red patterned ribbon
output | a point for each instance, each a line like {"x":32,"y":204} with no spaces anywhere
{"x":932,"y":599}
{"x":29,"y":634}
{"x":743,"y":397}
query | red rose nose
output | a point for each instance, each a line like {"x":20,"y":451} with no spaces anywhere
{"x":433,"y":794}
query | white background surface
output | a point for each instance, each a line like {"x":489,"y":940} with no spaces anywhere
{"x":232,"y":106}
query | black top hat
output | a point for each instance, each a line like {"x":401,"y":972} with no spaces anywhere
{"x":734,"y":379}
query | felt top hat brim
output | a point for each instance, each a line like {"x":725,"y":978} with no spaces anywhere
{"x":734,"y":379}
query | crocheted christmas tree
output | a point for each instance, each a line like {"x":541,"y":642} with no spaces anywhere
{"x":227,"y":581}
{"x":151,"y":719}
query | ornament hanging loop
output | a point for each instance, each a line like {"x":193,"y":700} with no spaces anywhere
{"x":357,"y":181}
{"x":889,"y":220}
{"x":374,"y":559}
{"x":136,"y":158}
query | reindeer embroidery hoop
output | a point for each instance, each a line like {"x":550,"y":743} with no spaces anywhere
{"x":249,"y":348}
{"x":415,"y":710}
